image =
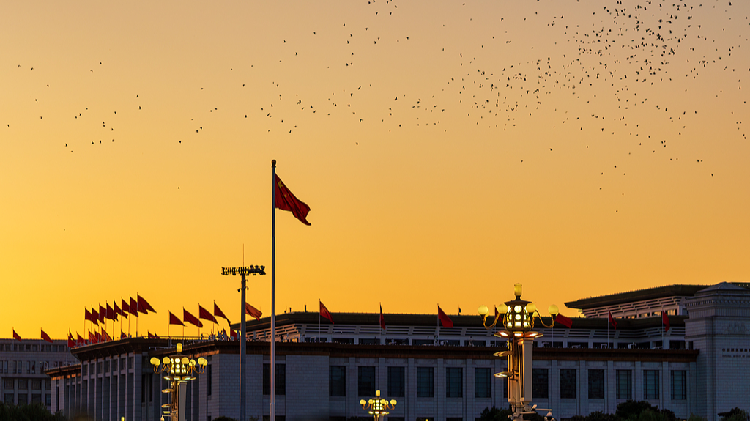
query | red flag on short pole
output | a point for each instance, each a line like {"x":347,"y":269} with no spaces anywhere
{"x":92,"y":338}
{"x":324,"y":312}
{"x":71,"y":342}
{"x":444,"y":320}
{"x":133,"y":308}
{"x":173,"y":320}
{"x":188,"y":317}
{"x":204,"y":314}
{"x":81,"y":341}
{"x":285,"y":200}
{"x":665,"y":320}
{"x":382,"y":318}
{"x":218,"y":313}
{"x":15,"y":335}
{"x":563,"y":320}
{"x":612,"y":321}
{"x":250,"y":310}
{"x":45,"y":337}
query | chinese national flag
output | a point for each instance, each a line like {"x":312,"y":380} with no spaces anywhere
{"x":218,"y":313}
{"x":133,"y":308}
{"x":665,"y":320}
{"x":15,"y":335}
{"x":111,"y":313}
{"x":250,"y":310}
{"x":81,"y":341}
{"x":71,"y":342}
{"x":173,"y":320}
{"x":204,"y":314}
{"x":45,"y":337}
{"x":87,"y":316}
{"x":92,"y":338}
{"x":125,"y":308}
{"x":563,"y":320}
{"x":234,"y":334}
{"x":612,"y":321}
{"x":102,"y":313}
{"x":94,"y":316}
{"x":324,"y":312}
{"x":188,"y":317}
{"x":118,"y":311}
{"x":444,"y":319}
{"x":285,"y":200}
{"x":382,"y":319}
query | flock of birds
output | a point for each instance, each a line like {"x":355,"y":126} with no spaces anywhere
{"x":621,"y":55}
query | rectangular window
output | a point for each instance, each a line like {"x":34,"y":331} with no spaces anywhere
{"x":454,"y":382}
{"x":624,"y":384}
{"x":106,"y":365}
{"x":209,"y":379}
{"x":366,"y":381}
{"x":679,"y":385}
{"x":596,"y":384}
{"x":651,"y":384}
{"x":280,"y":379}
{"x":568,"y":384}
{"x":425,"y":382}
{"x":23,"y":399}
{"x":540,"y":383}
{"x":48,"y":400}
{"x":482,"y":383}
{"x":337,"y":381}
{"x":36,"y":384}
{"x":23,"y":384}
{"x":396,"y":381}
{"x":8,"y":398}
{"x":84,"y":370}
{"x":28,"y":367}
{"x":8,"y":384}
{"x":36,"y":398}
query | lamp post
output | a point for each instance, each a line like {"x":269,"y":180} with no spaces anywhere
{"x":178,"y":369}
{"x":518,"y":322}
{"x":244,"y":271}
{"x":378,"y":406}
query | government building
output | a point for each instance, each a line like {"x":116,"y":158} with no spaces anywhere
{"x":698,"y":365}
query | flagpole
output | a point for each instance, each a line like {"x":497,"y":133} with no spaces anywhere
{"x":319,"y":320}
{"x":438,"y":326}
{"x":272,"y":370}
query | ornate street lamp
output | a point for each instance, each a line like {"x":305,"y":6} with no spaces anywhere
{"x":378,"y":407}
{"x":178,"y":369}
{"x":518,"y":322}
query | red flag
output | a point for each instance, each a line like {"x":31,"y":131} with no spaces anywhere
{"x":92,"y":338}
{"x":324,"y":312}
{"x":94,"y":316}
{"x":612,"y":321}
{"x":102,"y":313}
{"x":218,"y":313}
{"x":71,"y":342}
{"x":87,"y":315}
{"x":143,"y":306}
{"x":665,"y":320}
{"x":118,"y":311}
{"x":133,"y":308}
{"x":250,"y":310}
{"x":45,"y":337}
{"x":235,"y":335}
{"x":173,"y":320}
{"x":444,"y":319}
{"x":382,"y":319}
{"x":111,"y":312}
{"x":125,"y":308}
{"x":204,"y":314}
{"x":285,"y":200}
{"x":81,"y":341}
{"x":188,"y":317}
{"x":563,"y":320}
{"x":149,"y":334}
{"x":15,"y":335}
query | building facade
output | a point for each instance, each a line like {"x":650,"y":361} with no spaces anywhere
{"x":22,"y":369}
{"x":322,"y":370}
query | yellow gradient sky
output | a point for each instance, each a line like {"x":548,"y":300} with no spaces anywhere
{"x":447,"y":150}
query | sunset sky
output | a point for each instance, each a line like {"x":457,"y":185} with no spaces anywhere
{"x":447,"y":150}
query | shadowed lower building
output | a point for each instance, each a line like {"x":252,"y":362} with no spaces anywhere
{"x":324,"y":371}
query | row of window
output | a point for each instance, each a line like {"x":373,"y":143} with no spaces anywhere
{"x":19,"y":347}
{"x":25,"y":384}
{"x":25,"y":366}
{"x":104,"y":366}
{"x":596,"y":383}
{"x":23,"y":398}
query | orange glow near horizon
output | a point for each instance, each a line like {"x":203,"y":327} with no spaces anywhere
{"x":447,"y":151}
